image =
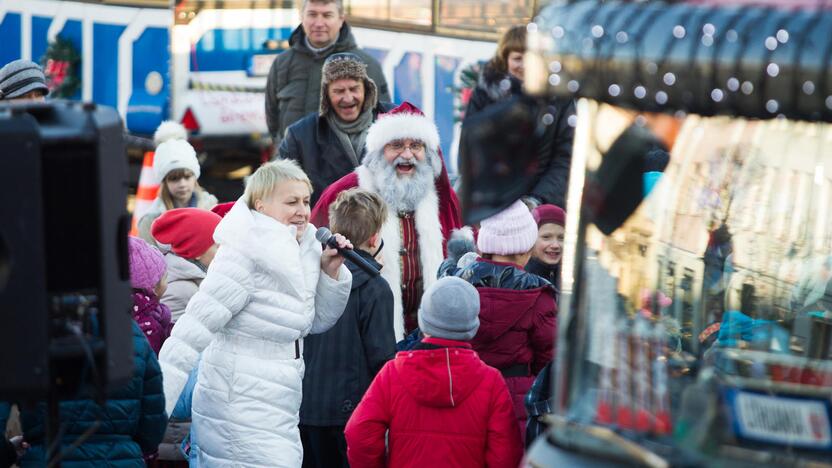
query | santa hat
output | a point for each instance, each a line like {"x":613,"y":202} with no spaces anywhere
{"x":405,"y":121}
{"x":346,"y":66}
{"x":188,"y":231}
{"x":173,"y":151}
{"x":509,"y":232}
{"x":147,"y":266}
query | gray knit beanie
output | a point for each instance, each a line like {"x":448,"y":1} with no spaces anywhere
{"x":450,"y":309}
{"x":20,"y":77}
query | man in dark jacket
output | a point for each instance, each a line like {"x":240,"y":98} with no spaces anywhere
{"x":329,"y":144}
{"x":554,"y":150}
{"x":341,"y":363}
{"x":292,"y":88}
{"x":131,"y":422}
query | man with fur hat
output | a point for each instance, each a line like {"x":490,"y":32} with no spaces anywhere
{"x":292,"y":85}
{"x":403,"y":164}
{"x":330,"y":143}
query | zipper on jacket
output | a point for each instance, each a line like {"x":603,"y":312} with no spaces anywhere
{"x":450,"y":377}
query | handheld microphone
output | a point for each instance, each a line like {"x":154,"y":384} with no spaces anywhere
{"x":325,"y":237}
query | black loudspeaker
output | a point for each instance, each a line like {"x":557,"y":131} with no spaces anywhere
{"x":64,"y":277}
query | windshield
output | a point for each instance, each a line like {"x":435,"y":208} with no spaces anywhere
{"x":698,"y":320}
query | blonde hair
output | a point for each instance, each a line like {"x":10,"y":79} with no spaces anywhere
{"x":357,"y":215}
{"x":264,"y":180}
{"x":175,"y":174}
{"x":514,"y":40}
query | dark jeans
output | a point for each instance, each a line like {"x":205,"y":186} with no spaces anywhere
{"x":323,"y":446}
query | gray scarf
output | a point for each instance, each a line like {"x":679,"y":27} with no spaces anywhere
{"x":351,"y":134}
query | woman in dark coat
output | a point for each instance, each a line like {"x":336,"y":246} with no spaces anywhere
{"x":501,"y":80}
{"x":131,"y":421}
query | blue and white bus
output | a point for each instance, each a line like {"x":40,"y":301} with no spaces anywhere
{"x":204,"y":62}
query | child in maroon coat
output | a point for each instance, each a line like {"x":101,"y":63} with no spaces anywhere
{"x":517,"y":308}
{"x":148,"y":278}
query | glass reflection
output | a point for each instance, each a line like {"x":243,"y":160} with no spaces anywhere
{"x":704,"y":322}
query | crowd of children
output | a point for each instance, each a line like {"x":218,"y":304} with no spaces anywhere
{"x":272,"y":371}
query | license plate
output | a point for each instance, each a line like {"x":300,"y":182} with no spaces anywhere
{"x":794,"y":422}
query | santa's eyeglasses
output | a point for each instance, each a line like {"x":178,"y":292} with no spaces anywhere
{"x":398,"y":146}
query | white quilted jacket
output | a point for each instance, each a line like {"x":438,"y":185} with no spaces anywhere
{"x":263,"y":291}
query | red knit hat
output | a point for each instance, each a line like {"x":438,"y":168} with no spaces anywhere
{"x":223,"y":208}
{"x":189,"y":231}
{"x":544,"y":214}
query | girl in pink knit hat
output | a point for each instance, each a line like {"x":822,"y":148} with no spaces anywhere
{"x":517,"y":308}
{"x":148,"y":278}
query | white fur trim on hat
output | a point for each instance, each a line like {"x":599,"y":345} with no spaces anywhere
{"x":174,"y":154}
{"x":169,"y":130}
{"x":400,"y":126}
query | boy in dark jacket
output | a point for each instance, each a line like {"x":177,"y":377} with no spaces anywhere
{"x":341,"y":363}
{"x":438,"y":404}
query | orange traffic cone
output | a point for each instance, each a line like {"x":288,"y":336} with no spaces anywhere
{"x":145,"y":193}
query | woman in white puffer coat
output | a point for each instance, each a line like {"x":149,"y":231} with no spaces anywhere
{"x":268,"y":286}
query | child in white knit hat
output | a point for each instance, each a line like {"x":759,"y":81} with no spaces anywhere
{"x":517,"y":308}
{"x":176,"y":169}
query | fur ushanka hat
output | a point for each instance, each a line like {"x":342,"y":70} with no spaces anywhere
{"x":346,"y":66}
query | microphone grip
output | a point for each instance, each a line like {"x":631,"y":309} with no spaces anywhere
{"x":350,"y":255}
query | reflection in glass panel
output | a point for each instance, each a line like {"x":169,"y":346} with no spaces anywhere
{"x":484,"y":14}
{"x":704,"y":321}
{"x":404,"y":11}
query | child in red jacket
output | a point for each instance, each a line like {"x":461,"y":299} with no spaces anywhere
{"x":440,"y":403}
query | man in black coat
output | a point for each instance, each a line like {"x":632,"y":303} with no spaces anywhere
{"x":554,"y":151}
{"x":342,"y":362}
{"x":330,"y":144}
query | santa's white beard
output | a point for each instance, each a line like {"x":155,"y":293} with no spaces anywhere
{"x":402,"y":193}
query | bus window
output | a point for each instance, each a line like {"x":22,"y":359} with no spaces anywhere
{"x":413,"y":12}
{"x":475,"y":19}
{"x":484,"y":15}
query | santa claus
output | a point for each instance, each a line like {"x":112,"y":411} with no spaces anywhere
{"x":403,"y":164}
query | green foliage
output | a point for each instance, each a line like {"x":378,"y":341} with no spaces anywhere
{"x":62,"y":66}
